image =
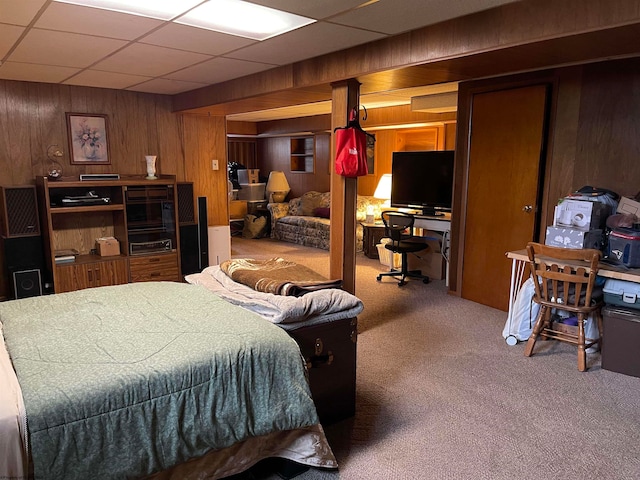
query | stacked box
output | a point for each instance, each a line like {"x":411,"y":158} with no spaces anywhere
{"x":567,"y":237}
{"x":581,"y":214}
{"x":249,"y":175}
{"x":622,"y":293}
{"x":620,"y":340}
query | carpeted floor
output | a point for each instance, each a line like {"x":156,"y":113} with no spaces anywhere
{"x":441,"y":396}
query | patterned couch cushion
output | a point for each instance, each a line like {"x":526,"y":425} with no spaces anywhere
{"x":294,"y":221}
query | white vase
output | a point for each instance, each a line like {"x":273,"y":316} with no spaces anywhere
{"x":151,"y":167}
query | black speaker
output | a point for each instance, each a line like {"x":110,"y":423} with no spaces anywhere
{"x":194,"y":242}
{"x":26,"y":283}
{"x":19,"y":209}
{"x":24,"y":262}
{"x":203,"y":233}
{"x":186,"y":210}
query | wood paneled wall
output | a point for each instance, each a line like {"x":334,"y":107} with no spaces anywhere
{"x":594,"y":136}
{"x":274,"y":154}
{"x":32,"y":117}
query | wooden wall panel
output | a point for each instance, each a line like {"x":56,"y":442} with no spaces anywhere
{"x":608,"y":135}
{"x":206,"y":140}
{"x":32,"y":117}
{"x":273,"y":154}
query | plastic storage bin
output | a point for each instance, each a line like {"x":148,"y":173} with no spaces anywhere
{"x":388,"y":258}
{"x":620,"y":340}
{"x":624,"y":245}
{"x":621,"y":293}
{"x":251,"y":191}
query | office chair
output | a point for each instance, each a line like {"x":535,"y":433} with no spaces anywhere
{"x":559,"y":270}
{"x":399,"y":228}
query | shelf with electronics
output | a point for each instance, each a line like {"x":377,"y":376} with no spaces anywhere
{"x":133,"y":218}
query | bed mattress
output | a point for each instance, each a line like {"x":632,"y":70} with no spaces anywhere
{"x":125,"y":381}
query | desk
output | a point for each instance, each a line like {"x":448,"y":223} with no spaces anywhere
{"x":441,"y":224}
{"x":519,"y":261}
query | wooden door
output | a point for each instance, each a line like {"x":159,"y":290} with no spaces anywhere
{"x":505,"y":156}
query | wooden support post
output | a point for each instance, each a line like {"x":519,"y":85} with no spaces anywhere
{"x":342,"y":240}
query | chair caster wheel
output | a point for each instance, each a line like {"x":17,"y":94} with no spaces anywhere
{"x":425,"y":280}
{"x":400,"y":284}
{"x":379,"y":277}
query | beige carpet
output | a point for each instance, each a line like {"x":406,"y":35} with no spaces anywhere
{"x":441,"y":396}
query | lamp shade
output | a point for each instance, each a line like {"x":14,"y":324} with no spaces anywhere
{"x":383,"y":190}
{"x":277,"y":187}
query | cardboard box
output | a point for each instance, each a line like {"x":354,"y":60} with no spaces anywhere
{"x":429,"y":261}
{"x":568,"y":237}
{"x":249,"y":175}
{"x":581,"y":214}
{"x":626,"y":205}
{"x":107,"y":246}
{"x":237,"y":209}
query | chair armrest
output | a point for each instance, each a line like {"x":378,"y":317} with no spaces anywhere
{"x":277,"y":211}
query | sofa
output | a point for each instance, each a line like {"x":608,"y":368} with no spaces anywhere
{"x":305,"y":220}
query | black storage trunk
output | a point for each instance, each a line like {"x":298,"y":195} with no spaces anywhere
{"x":330,"y":352}
{"x":621,"y":340}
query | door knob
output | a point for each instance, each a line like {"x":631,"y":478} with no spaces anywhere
{"x":527,"y":209}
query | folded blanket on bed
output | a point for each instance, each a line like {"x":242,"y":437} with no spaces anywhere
{"x":315,"y":307}
{"x":276,"y":276}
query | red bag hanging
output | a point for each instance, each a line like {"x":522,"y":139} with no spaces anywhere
{"x":351,"y":148}
{"x":351,"y":152}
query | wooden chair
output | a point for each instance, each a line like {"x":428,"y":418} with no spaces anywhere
{"x":399,"y":228}
{"x":560,"y":270}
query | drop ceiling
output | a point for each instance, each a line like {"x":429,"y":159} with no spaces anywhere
{"x":52,"y":42}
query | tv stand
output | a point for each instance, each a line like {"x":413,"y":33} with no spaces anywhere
{"x":428,"y":212}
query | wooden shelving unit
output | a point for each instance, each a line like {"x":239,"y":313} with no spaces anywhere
{"x":303,"y":154}
{"x":77,"y":227}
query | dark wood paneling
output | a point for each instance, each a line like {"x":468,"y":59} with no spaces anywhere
{"x":520,"y":36}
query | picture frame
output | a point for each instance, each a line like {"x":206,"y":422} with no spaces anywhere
{"x":88,"y":138}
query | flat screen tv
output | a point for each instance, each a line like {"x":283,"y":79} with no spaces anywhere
{"x":423,"y":181}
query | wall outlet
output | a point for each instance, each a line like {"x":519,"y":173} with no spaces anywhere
{"x":215,"y":165}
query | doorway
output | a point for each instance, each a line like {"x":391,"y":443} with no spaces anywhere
{"x":507,"y":145}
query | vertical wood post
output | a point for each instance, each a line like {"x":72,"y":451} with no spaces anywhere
{"x":342,"y":240}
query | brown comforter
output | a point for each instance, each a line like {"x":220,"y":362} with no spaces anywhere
{"x":276,"y":276}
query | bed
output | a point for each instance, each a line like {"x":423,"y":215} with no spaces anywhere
{"x":160,"y":380}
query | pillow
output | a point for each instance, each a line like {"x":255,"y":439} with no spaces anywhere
{"x":254,"y":227}
{"x":310,"y":201}
{"x":322,"y":212}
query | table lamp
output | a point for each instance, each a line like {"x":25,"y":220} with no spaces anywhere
{"x":383,"y":190}
{"x":277,"y":187}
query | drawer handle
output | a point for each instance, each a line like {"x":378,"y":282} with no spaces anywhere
{"x":154,"y":260}
{"x":156,"y":274}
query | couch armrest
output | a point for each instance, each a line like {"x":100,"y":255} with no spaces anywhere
{"x":277,"y":211}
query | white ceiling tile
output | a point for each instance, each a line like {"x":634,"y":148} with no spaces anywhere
{"x":64,"y":49}
{"x":219,"y":70}
{"x":191,"y":39}
{"x":166,"y":87}
{"x":149,"y":60}
{"x":393,"y":17}
{"x":91,"y":21}
{"x":96,"y":78}
{"x":29,"y":72}
{"x":19,"y":12}
{"x":8,"y":36}
{"x":305,"y":43}
{"x":315,"y":9}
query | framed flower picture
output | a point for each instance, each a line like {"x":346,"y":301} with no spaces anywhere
{"x":88,"y":139}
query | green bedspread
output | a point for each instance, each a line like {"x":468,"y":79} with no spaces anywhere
{"x":123,"y":381}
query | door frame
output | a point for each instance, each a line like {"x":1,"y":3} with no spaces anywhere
{"x":466,"y":92}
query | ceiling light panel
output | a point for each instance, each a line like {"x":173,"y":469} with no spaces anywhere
{"x":244,"y":19}
{"x":160,"y":9}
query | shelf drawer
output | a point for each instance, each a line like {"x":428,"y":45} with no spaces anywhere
{"x":154,"y":268}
